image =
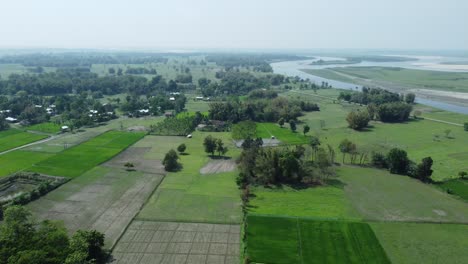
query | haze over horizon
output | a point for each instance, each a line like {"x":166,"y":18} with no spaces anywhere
{"x":209,"y":24}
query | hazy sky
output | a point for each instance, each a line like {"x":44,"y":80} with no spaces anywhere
{"x":255,"y":24}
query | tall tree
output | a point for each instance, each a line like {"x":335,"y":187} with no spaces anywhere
{"x":398,"y":161}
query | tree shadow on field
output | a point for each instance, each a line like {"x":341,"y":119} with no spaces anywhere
{"x":220,"y":157}
{"x":184,"y":154}
{"x":335,"y":183}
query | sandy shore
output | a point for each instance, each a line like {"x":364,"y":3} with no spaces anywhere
{"x":428,"y":92}
{"x":437,"y":66}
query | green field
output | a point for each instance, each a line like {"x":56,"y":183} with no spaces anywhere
{"x":324,"y":201}
{"x":74,"y":161}
{"x":298,"y":240}
{"x":423,"y":243}
{"x":285,"y":135}
{"x":188,"y":195}
{"x":437,"y":80}
{"x":459,"y":187}
{"x":379,"y":195}
{"x":48,"y":127}
{"x":420,"y":138}
{"x":19,"y":160}
{"x":13,"y":138}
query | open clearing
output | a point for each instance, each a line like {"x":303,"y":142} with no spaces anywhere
{"x":420,"y":138}
{"x":105,"y":199}
{"x":76,"y":160}
{"x":13,"y":138}
{"x":379,"y":195}
{"x":48,"y":127}
{"x":413,"y":243}
{"x":285,"y":135}
{"x":217,"y":166}
{"x":149,"y":242}
{"x":188,"y":195}
{"x":18,"y":160}
{"x":320,"y":201}
{"x":297,"y":240}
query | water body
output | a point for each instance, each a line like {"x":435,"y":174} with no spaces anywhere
{"x":293,"y":68}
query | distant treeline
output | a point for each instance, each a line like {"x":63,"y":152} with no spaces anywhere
{"x":82,"y":59}
{"x":258,"y":62}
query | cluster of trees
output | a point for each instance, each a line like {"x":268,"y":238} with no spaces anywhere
{"x":299,"y":165}
{"x":181,"y":125}
{"x":262,"y":94}
{"x":381,"y":104}
{"x":23,"y":241}
{"x":139,"y":70}
{"x":256,"y":62}
{"x":73,"y":109}
{"x":397,"y":161}
{"x":156,"y":104}
{"x":213,"y":145}
{"x":260,"y":110}
{"x":376,"y":96}
{"x":83,"y":59}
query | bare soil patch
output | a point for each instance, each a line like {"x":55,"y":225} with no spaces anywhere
{"x":147,"y":242}
{"x":267,"y":142}
{"x":135,"y":155}
{"x":217,"y":166}
{"x":107,"y":204}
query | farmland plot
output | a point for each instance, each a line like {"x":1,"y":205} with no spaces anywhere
{"x":301,"y":240}
{"x":148,"y":242}
{"x":13,"y":138}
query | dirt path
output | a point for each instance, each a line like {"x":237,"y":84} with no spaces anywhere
{"x":442,"y":121}
{"x":217,"y":166}
{"x":30,"y":144}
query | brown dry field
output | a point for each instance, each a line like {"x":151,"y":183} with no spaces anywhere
{"x":150,"y":242}
{"x":105,"y":198}
{"x":218,"y":166}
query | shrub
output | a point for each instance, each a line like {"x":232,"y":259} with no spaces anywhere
{"x":398,"y":162}
{"x":394,"y":112}
{"x":465,"y":126}
{"x":358,"y":120}
{"x":379,"y":160}
{"x":170,"y":161}
{"x":181,"y":148}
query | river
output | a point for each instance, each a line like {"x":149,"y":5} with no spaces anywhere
{"x":293,"y":68}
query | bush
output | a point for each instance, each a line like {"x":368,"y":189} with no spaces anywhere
{"x":181,"y":148}
{"x":394,"y":112}
{"x":398,"y":162}
{"x":465,"y":126}
{"x":379,"y":160}
{"x":170,"y":161}
{"x":358,"y":120}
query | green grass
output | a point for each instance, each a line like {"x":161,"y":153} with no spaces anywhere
{"x":459,"y":187}
{"x":19,"y":160}
{"x":187,"y":195}
{"x":381,"y":196}
{"x":13,"y":138}
{"x":285,"y":135}
{"x":438,"y":80}
{"x":296,"y":240}
{"x":45,"y":127}
{"x":412,"y":243}
{"x":75,"y":161}
{"x":322,"y":201}
{"x":416,"y":137}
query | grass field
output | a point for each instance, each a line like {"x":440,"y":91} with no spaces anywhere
{"x":379,"y":195}
{"x":13,"y":138}
{"x":188,"y":195}
{"x":420,"y":138}
{"x":438,"y":80}
{"x":459,"y":187}
{"x":324,"y":202}
{"x":285,"y":135}
{"x":423,"y":243}
{"x":74,"y":161}
{"x":296,"y":240}
{"x":19,"y":160}
{"x":45,"y":127}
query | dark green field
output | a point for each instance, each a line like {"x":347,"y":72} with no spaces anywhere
{"x":76,"y":160}
{"x":299,"y":240}
{"x":13,"y":138}
{"x":458,"y":187}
